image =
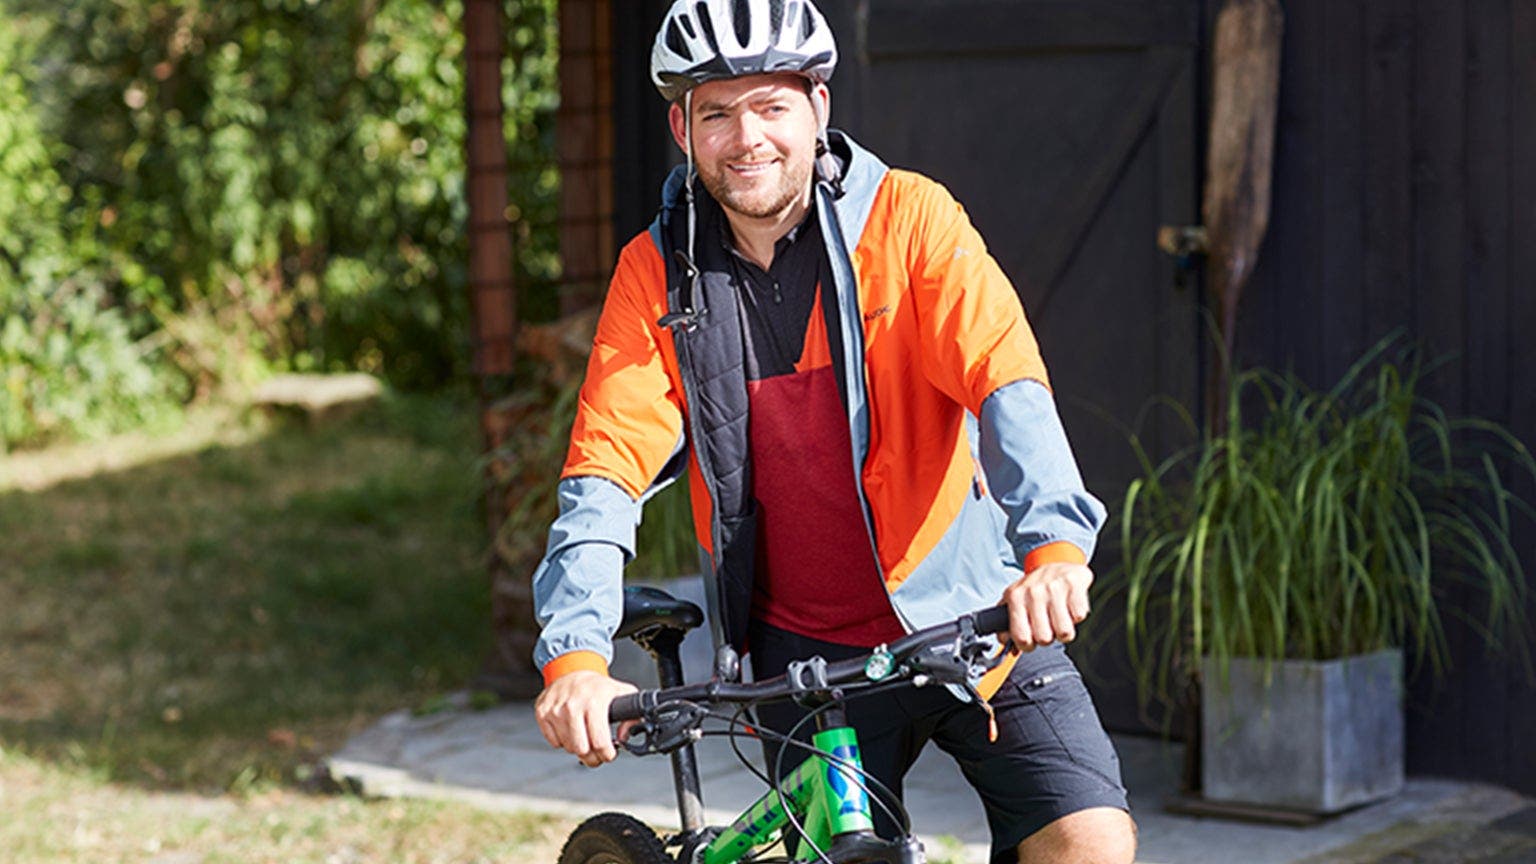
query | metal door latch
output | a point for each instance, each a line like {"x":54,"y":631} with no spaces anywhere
{"x":1182,"y":241}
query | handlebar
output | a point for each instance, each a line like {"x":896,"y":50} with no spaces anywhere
{"x":813,"y":674}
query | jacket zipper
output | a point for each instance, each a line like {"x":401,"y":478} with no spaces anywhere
{"x":827,"y":226}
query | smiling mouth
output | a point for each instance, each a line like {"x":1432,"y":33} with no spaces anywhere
{"x":750,"y":168}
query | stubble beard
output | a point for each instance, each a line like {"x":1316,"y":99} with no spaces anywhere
{"x":794,"y":179}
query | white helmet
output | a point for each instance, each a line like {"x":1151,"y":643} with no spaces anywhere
{"x":704,"y":40}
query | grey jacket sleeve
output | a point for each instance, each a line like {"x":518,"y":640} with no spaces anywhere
{"x":578,"y":589}
{"x":1031,"y":472}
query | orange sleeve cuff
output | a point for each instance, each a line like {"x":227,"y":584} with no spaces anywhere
{"x":1050,"y":553}
{"x":576,"y":661}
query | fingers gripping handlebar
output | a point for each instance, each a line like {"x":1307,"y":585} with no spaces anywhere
{"x":634,"y":706}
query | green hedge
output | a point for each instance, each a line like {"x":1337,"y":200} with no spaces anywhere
{"x":273,"y":184}
{"x":68,"y":363}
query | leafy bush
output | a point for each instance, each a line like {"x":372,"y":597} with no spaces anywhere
{"x":282,"y":183}
{"x":70,"y":365}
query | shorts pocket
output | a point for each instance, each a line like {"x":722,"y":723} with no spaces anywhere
{"x":1043,"y":695}
{"x":1062,"y":704}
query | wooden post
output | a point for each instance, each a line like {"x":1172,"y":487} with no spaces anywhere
{"x":1245,"y":92}
{"x":493,"y":298}
{"x":584,"y":126}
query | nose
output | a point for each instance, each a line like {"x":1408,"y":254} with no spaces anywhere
{"x":749,"y":130}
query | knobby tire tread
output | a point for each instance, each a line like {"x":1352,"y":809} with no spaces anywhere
{"x":613,"y":838}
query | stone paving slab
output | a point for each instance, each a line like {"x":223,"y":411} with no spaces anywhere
{"x":497,"y":758}
{"x":1479,"y":824}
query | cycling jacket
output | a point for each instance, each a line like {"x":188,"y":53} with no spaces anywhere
{"x":964,"y":470}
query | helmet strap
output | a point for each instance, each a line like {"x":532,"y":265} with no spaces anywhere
{"x":688,"y":177}
{"x":821,"y":122}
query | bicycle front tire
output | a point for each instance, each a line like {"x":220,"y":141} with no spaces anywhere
{"x":613,"y":838}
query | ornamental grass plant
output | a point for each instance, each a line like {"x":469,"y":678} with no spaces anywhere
{"x":1323,"y":524}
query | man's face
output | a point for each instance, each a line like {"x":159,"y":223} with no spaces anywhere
{"x":754,"y":141}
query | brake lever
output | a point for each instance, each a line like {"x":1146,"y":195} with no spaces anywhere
{"x":961,"y":662}
{"x":939,"y":664}
{"x":667,"y":728}
{"x":968,"y":657}
{"x":980,"y":659}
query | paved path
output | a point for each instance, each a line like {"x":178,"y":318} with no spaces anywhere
{"x":498,"y":759}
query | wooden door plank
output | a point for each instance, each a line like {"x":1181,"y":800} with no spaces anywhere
{"x":1440,"y":162}
{"x":1277,"y":325}
{"x":1175,"y":333}
{"x":1079,"y":194}
{"x":1488,"y":212}
{"x":1340,"y":308}
{"x":1387,"y":253}
{"x":1437,"y":741}
{"x":1521,"y":384}
{"x":1179,"y":300}
{"x":1485,"y":296}
{"x":1520,"y":368}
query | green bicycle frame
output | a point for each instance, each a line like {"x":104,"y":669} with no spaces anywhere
{"x":825,"y":797}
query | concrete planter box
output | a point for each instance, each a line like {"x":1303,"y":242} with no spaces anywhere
{"x":1302,"y":735}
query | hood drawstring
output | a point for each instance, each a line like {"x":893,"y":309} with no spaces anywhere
{"x":689,"y":317}
{"x":827,"y":168}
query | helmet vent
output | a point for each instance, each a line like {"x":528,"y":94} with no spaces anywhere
{"x":807,"y":26}
{"x":706,"y":24}
{"x":675,"y":36}
{"x":741,"y":20}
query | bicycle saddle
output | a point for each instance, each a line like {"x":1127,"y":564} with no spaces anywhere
{"x":647,"y":608}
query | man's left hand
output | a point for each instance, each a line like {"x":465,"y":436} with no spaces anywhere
{"x":1047,"y":604}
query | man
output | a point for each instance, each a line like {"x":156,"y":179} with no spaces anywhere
{"x":821,"y":339}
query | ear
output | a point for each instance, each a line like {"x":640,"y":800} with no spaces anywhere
{"x":821,"y":103}
{"x":679,"y":130}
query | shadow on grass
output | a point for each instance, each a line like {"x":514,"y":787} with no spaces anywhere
{"x":220,"y":618}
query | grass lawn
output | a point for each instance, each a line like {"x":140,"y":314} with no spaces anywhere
{"x":188,"y":620}
{"x":57,"y":813}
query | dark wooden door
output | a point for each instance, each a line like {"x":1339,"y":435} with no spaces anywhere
{"x":1068,"y":129}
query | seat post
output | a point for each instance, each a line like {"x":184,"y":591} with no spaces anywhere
{"x":662,"y":643}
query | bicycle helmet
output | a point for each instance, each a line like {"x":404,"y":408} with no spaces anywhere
{"x":706,"y":40}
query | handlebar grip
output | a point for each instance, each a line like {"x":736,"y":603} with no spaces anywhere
{"x":992,"y":620}
{"x":626,"y":707}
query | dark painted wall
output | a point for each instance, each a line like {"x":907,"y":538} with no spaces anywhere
{"x":1405,"y":197}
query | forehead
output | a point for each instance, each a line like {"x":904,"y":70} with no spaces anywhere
{"x":748,"y":88}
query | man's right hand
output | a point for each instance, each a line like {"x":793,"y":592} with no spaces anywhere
{"x":573,"y":715}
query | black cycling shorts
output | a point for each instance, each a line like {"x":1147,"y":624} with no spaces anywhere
{"x":1052,"y":756}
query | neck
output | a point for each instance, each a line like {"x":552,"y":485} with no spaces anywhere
{"x":755,"y":236}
